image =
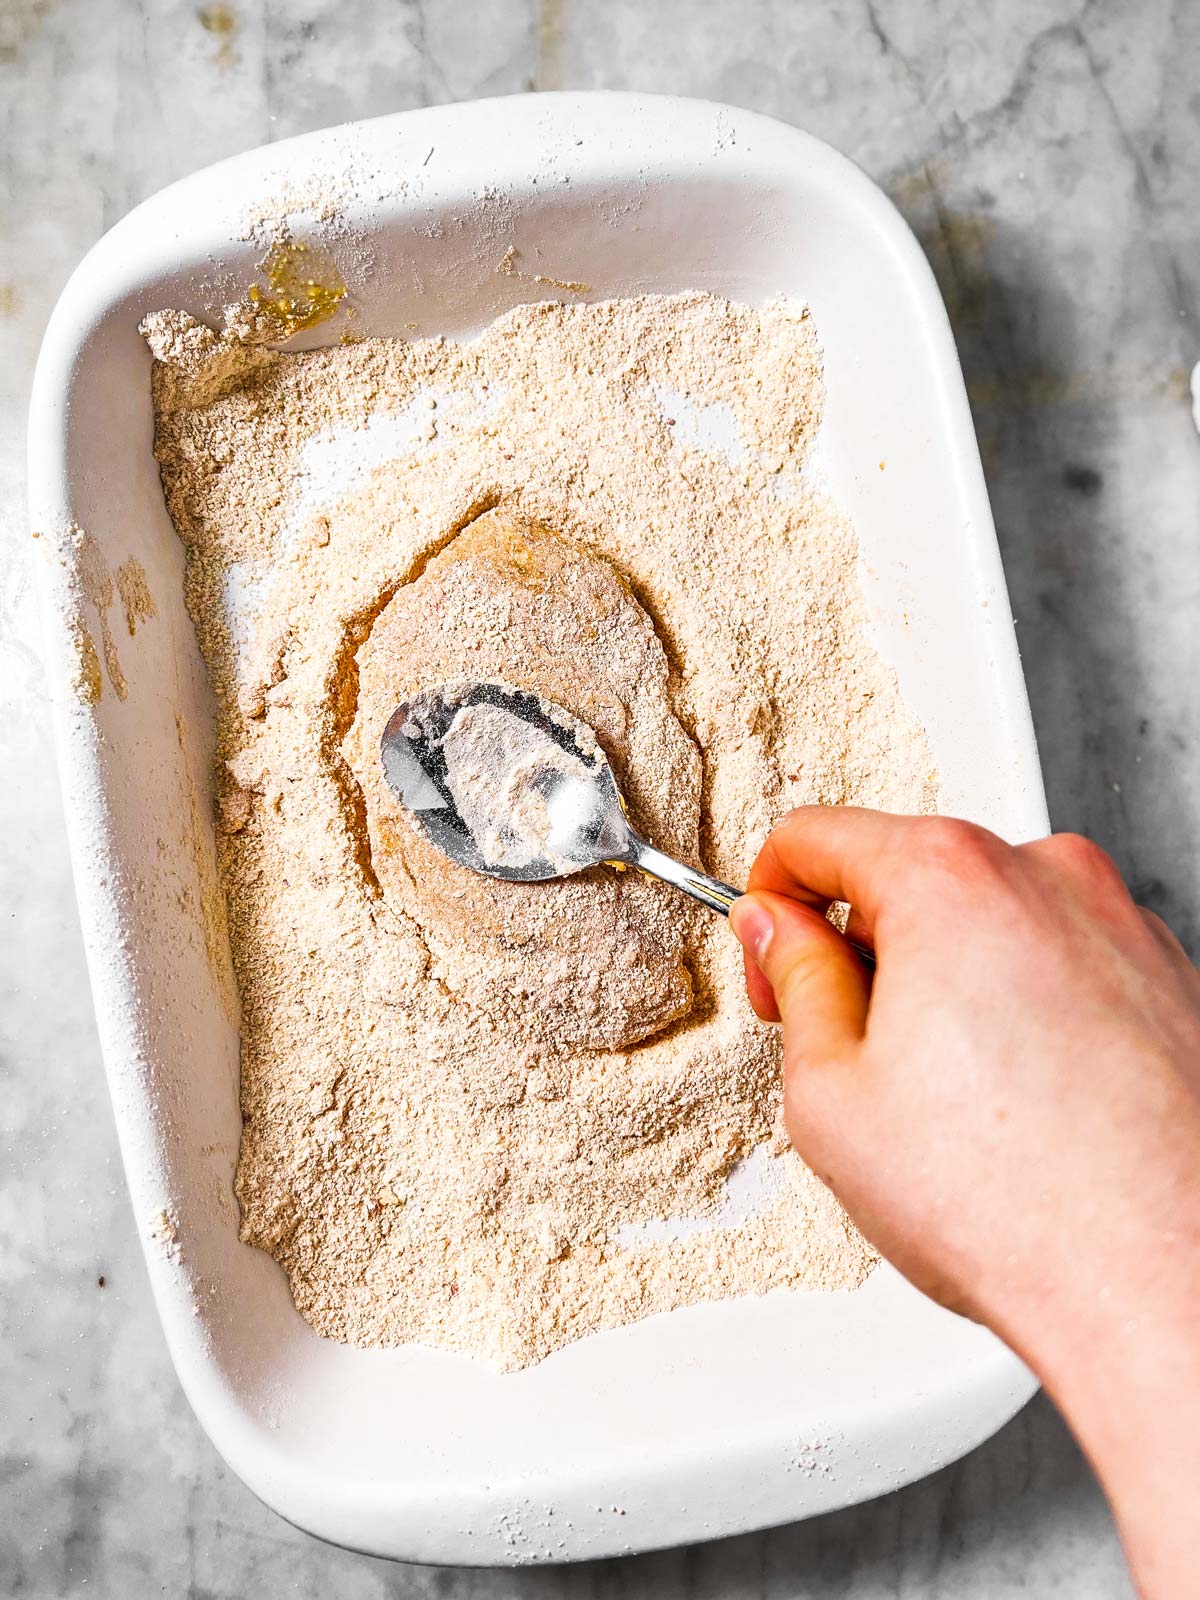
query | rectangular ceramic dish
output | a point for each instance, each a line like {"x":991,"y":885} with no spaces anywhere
{"x":713,"y":1419}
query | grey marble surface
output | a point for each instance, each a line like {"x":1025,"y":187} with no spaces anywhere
{"x":1048,"y":155}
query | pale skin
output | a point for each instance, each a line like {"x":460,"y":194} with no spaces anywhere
{"x":1010,"y":1111}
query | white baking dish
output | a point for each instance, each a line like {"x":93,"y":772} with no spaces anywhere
{"x":713,"y":1419}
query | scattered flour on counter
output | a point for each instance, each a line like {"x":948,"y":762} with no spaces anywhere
{"x":469,"y":1104}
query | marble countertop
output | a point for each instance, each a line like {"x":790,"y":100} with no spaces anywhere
{"x":1048,"y":156}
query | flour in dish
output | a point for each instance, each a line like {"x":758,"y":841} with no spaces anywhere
{"x":462,"y":1097}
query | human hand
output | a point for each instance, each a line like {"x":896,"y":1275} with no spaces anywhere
{"x":1010,"y":1110}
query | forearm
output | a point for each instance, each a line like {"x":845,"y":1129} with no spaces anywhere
{"x":1128,"y":1383}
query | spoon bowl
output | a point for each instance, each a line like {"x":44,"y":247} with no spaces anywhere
{"x":511,"y":785}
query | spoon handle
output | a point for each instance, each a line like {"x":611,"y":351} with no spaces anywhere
{"x":710,"y":892}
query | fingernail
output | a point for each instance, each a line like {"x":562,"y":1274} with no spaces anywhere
{"x":753,"y":925}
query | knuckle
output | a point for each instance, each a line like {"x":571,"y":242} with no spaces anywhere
{"x":954,"y":848}
{"x":1153,"y":927}
{"x":1161,"y":933}
{"x":1083,"y":856}
{"x":1087,"y":875}
{"x":953,"y":834}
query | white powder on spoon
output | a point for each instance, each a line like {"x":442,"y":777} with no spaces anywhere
{"x":496,"y":764}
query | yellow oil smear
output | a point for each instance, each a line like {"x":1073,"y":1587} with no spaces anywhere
{"x":221,"y":22}
{"x":549,"y":71}
{"x":209,"y":902}
{"x":351,"y":335}
{"x":87,"y":680}
{"x":218,"y":20}
{"x":19,"y":23}
{"x":296,"y":297}
{"x":135,"y":594}
{"x":97,"y":584}
{"x":99,"y":589}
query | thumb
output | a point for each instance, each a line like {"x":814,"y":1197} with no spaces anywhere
{"x":820,"y":987}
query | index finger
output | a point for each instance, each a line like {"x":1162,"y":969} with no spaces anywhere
{"x":824,"y":853}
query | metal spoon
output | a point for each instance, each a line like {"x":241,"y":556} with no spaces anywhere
{"x":583,"y":821}
{"x":585,"y":818}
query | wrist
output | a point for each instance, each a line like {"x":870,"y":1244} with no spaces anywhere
{"x":1126,"y":1375}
